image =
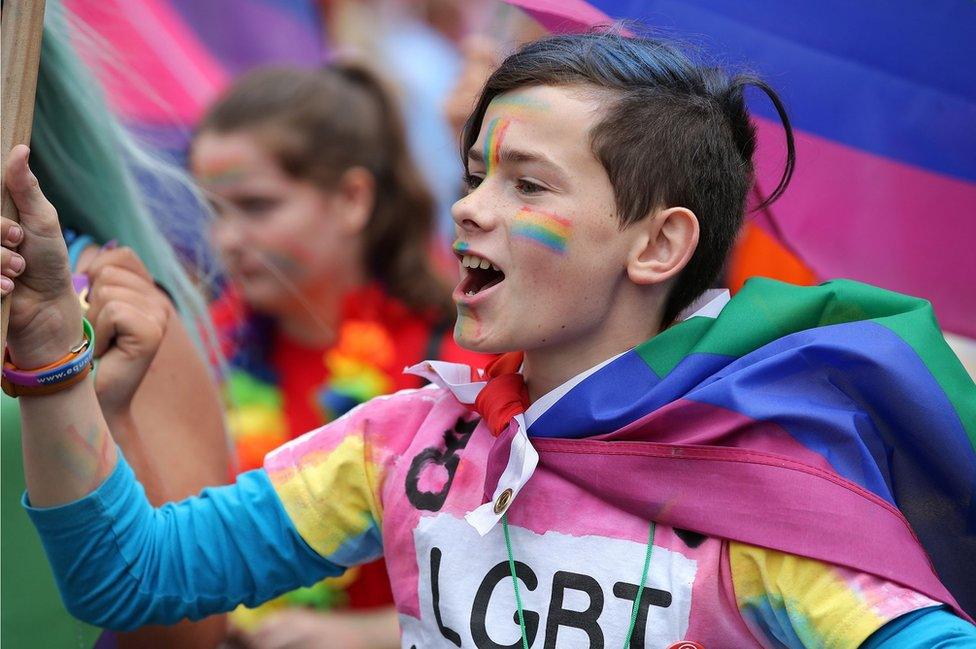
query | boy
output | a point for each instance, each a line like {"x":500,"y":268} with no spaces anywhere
{"x":608,"y":177}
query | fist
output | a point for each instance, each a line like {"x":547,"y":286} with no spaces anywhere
{"x":129,"y":315}
{"x":45,"y":316}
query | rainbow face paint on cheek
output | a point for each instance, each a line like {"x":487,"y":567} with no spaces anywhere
{"x":493,"y":142}
{"x":545,"y":228}
{"x":284,"y":264}
{"x":292,"y":259}
{"x":466,"y":327}
{"x":461,"y":247}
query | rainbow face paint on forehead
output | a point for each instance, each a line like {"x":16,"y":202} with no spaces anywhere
{"x":493,"y":142}
{"x":224,"y":172}
{"x":512,"y":106}
{"x":519,"y":104}
{"x":545,"y":228}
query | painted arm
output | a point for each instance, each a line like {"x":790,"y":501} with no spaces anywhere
{"x":66,"y":444}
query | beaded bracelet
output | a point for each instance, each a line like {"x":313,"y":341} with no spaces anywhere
{"x":57,"y":376}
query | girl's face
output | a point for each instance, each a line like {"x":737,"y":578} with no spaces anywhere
{"x":282,"y":241}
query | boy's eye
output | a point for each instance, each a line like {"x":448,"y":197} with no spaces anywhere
{"x":528,"y":187}
{"x":471,"y":181}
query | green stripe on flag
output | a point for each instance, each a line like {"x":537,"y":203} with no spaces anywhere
{"x":766,"y":310}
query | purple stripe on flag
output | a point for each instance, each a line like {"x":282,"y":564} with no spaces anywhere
{"x":748,"y":496}
{"x":169,"y":75}
{"x":688,"y":422}
{"x":853,"y":214}
{"x":261,"y":32}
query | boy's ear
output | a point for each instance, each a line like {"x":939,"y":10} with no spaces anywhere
{"x":356,"y":194}
{"x":665,"y":243}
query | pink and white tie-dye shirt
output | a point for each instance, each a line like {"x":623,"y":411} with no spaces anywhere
{"x":397,"y":476}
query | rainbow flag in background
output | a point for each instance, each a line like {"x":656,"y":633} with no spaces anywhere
{"x":169,"y":59}
{"x":814,"y":420}
{"x":883,"y":100}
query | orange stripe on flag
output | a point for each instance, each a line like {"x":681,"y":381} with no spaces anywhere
{"x":757,"y":253}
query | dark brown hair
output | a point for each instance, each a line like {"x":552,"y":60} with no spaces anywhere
{"x":674,"y":133}
{"x":320,"y":123}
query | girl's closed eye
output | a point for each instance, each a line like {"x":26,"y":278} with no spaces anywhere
{"x":256,"y":206}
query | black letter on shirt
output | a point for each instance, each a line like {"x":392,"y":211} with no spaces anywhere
{"x":479,"y":630}
{"x":585,"y":620}
{"x":454,"y":441}
{"x":650,"y":597}
{"x":435,"y":591}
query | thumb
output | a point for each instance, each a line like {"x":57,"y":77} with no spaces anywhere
{"x":36,"y":212}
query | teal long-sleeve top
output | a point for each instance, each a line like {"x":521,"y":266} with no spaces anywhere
{"x":121,"y":564}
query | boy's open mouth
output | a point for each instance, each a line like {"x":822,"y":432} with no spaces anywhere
{"x":480,"y":274}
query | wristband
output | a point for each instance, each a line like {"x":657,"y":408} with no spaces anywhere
{"x":56,"y":376}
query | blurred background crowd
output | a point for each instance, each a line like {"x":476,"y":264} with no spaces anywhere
{"x":301,"y":157}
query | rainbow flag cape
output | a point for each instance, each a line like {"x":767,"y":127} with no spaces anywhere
{"x":829,"y":421}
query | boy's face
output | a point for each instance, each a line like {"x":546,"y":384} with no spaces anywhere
{"x":541,"y":209}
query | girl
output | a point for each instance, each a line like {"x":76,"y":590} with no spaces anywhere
{"x":324,"y":227}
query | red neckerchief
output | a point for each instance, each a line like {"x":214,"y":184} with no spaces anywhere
{"x":505,"y":395}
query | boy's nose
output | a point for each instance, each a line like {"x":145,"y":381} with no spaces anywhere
{"x":470,"y":213}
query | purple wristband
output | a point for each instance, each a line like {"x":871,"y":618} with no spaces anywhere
{"x":47,"y":376}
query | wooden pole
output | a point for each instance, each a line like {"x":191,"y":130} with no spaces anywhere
{"x":21,"y":28}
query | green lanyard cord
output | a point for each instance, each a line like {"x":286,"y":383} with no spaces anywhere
{"x":640,"y":588}
{"x":518,"y":597}
{"x":511,"y":567}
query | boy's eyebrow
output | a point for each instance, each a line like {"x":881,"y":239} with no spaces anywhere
{"x":514,"y":156}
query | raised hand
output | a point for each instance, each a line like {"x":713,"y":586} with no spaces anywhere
{"x":130,"y":315}
{"x":45,"y":316}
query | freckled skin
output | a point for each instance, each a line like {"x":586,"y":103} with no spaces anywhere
{"x":559,"y":302}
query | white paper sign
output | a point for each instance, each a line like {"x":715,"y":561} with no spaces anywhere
{"x":576,"y":591}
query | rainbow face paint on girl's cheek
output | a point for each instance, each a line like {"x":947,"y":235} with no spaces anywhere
{"x":461,"y":247}
{"x":292,"y":259}
{"x":545,"y":228}
{"x":493,"y":142}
